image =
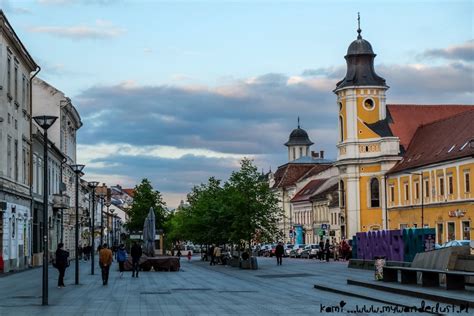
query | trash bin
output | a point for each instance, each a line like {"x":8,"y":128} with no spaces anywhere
{"x":253,"y":263}
{"x":379,"y":264}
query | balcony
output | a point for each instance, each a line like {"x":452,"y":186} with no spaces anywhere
{"x":61,"y":201}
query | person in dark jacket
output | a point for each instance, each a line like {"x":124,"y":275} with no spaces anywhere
{"x":321,"y":250}
{"x":279,"y":251}
{"x":136,"y":253}
{"x":213,"y":258}
{"x":121,"y":258}
{"x":61,"y":263}
{"x":327,"y":248}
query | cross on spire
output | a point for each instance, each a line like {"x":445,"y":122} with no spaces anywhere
{"x":298,"y":122}
{"x":358,"y":25}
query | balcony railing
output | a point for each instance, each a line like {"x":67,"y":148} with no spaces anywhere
{"x":61,"y":201}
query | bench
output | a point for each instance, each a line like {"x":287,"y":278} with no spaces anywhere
{"x":455,"y":280}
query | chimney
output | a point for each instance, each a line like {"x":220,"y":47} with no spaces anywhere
{"x":321,"y":154}
{"x":314,"y":154}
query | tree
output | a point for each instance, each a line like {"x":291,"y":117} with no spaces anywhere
{"x":144,"y":198}
{"x":253,"y":206}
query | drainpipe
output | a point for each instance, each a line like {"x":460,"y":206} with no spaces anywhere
{"x":30,"y":176}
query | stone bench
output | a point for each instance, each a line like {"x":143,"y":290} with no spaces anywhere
{"x":455,"y":280}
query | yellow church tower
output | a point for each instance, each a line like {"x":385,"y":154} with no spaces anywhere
{"x":366,"y":147}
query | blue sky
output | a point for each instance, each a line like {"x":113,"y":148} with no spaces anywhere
{"x":179,"y":91}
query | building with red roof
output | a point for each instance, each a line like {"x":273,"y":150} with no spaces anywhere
{"x":401,"y":165}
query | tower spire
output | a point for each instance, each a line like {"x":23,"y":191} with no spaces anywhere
{"x":358,"y":26}
{"x":298,"y":122}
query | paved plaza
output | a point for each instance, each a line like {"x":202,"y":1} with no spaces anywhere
{"x":198,"y":289}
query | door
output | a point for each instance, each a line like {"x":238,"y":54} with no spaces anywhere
{"x":440,"y":233}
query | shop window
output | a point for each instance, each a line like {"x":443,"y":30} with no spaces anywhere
{"x":440,"y":233}
{"x":451,"y":231}
{"x":466,"y":231}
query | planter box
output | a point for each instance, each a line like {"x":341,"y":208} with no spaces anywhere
{"x":234,"y":262}
{"x":249,"y":264}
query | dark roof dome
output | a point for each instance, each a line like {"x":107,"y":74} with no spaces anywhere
{"x":298,"y":137}
{"x":360,"y":65}
{"x":360,"y":47}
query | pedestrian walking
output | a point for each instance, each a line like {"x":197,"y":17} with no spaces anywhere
{"x":87,"y":252}
{"x":105,"y":260}
{"x":61,"y":263}
{"x":336,"y":250}
{"x":121,"y":258}
{"x":279,"y":250}
{"x":217,"y":254}
{"x":178,"y":254}
{"x":211,"y":253}
{"x":189,"y":255}
{"x":344,"y":249}
{"x":80,"y":251}
{"x":136,"y":253}
{"x":321,"y":250}
{"x":327,"y":249}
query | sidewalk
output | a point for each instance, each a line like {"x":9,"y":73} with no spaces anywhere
{"x":197,"y":289}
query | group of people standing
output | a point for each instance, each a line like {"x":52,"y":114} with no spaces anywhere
{"x":340,"y":250}
{"x":106,"y":256}
{"x":215,"y":253}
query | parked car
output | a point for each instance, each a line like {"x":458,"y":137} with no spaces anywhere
{"x":310,"y":251}
{"x":269,"y":251}
{"x":287,"y":248}
{"x":456,"y":243}
{"x":263,"y":249}
{"x":296,"y":251}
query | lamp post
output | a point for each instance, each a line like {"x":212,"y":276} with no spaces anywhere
{"x":101,"y":198}
{"x":113,"y":226}
{"x":107,"y":204}
{"x":420,"y":174}
{"x":77,"y":170}
{"x":45,"y":122}
{"x":93,"y":185}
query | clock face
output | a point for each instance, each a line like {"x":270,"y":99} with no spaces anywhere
{"x":369,"y":104}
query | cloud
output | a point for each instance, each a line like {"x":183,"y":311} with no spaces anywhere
{"x":101,"y":30}
{"x":462,"y":52}
{"x":7,"y":7}
{"x":178,"y":136}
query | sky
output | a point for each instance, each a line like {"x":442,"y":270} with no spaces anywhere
{"x":179,"y":91}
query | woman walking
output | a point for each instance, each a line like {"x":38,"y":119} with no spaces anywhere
{"x":121,"y":258}
{"x":61,"y":263}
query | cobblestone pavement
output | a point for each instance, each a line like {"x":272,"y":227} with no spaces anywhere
{"x":198,"y":289}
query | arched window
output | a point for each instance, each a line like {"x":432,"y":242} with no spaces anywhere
{"x":301,"y":151}
{"x":294,"y":153}
{"x":341,"y":126}
{"x":374,"y":193}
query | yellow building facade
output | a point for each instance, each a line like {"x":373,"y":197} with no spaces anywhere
{"x":394,"y":159}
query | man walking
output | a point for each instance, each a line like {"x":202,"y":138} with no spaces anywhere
{"x":136,"y":253}
{"x":211,"y":253}
{"x":327,"y":250}
{"x":279,"y":250}
{"x":321,"y":250}
{"x":105,"y":260}
{"x":61,"y":263}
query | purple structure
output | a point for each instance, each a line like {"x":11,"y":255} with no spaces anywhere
{"x":386,"y":243}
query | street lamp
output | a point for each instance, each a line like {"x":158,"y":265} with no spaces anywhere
{"x":45,"y":122}
{"x":77,"y":170}
{"x":107,"y":204}
{"x":420,"y":174}
{"x":113,"y":227}
{"x":93,"y":185}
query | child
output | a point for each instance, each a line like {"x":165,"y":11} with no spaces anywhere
{"x":189,"y":256}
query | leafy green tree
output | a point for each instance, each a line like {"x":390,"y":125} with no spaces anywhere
{"x":144,"y":198}
{"x":252,"y":205}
